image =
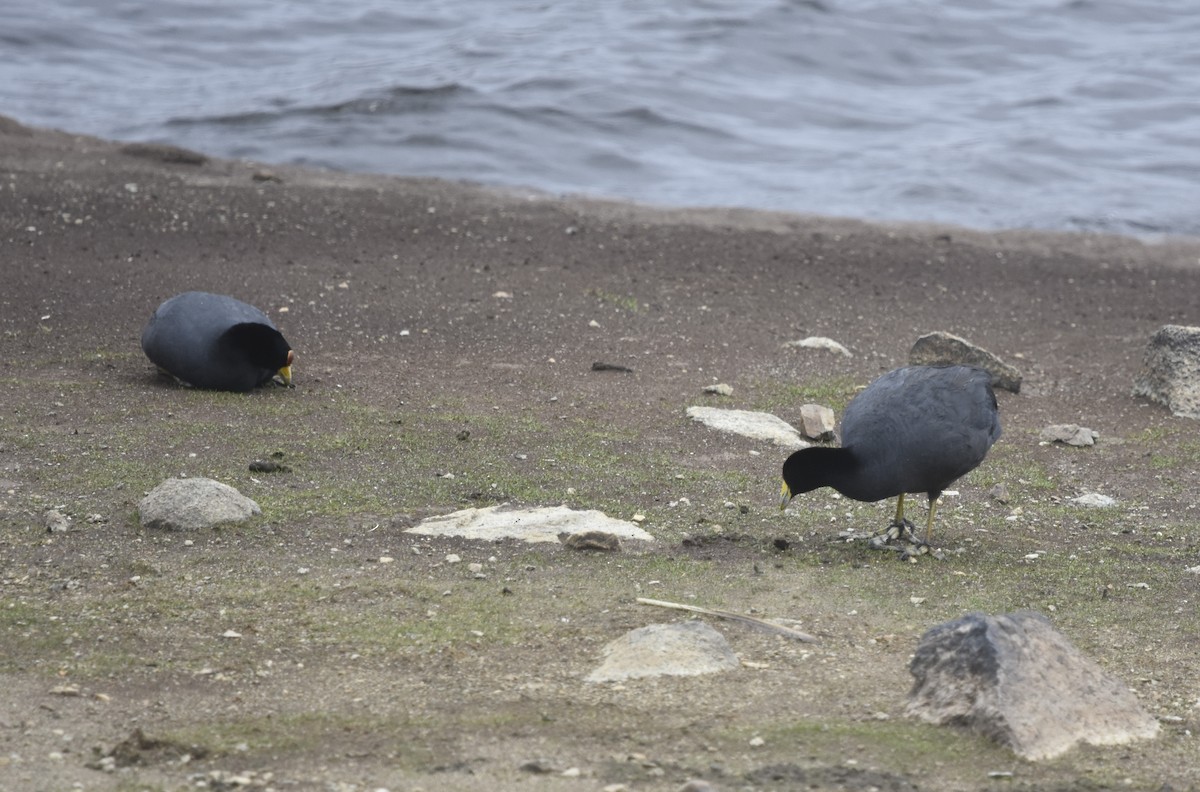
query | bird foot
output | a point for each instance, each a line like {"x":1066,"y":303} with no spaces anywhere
{"x":908,"y":545}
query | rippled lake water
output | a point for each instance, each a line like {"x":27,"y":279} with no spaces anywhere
{"x":1080,"y":114}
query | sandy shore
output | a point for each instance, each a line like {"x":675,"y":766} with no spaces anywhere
{"x":423,"y":309}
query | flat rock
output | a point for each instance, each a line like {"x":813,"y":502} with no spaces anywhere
{"x":1170,"y":372}
{"x":755,"y":425}
{"x":1019,"y":681}
{"x":940,"y":348}
{"x":529,"y":525}
{"x":820,"y":342}
{"x":817,"y":421}
{"x":1095,"y":500}
{"x":684,"y":649}
{"x":193,"y":504}
{"x":1070,"y":434}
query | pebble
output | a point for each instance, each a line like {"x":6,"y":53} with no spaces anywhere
{"x":720,"y":389}
{"x":453,"y":558}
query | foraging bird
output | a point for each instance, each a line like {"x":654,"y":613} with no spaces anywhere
{"x":914,"y":429}
{"x":216,"y":342}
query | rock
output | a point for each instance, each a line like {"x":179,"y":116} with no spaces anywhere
{"x":193,"y":504}
{"x":720,"y":389}
{"x":999,"y":493}
{"x":1019,"y":681}
{"x":1171,"y":370}
{"x":591,"y":540}
{"x":1071,"y":434}
{"x":817,"y":421}
{"x":1094,"y":499}
{"x":56,"y":521}
{"x":529,"y":525}
{"x":685,"y":649}
{"x":820,"y":342}
{"x":940,"y":348}
{"x":755,"y":425}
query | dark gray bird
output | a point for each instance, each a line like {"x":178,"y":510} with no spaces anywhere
{"x":914,"y":429}
{"x":216,"y":342}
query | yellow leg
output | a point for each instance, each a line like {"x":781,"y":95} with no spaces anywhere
{"x":899,"y":510}
{"x":929,"y":523}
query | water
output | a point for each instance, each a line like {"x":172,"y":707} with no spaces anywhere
{"x":1079,"y":114}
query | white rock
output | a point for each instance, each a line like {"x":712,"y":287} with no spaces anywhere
{"x":193,"y":504}
{"x":529,"y":525}
{"x":820,"y":342}
{"x":720,"y":389}
{"x":1094,"y":499}
{"x":755,"y":425}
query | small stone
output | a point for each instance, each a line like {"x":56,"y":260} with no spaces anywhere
{"x":817,"y":421}
{"x":1069,"y":434}
{"x":231,"y":634}
{"x":503,"y":295}
{"x":820,"y":342}
{"x":453,"y":558}
{"x":592,"y":540}
{"x":593,"y":323}
{"x":475,"y":567}
{"x":572,"y":772}
{"x":638,"y":518}
{"x":757,"y":742}
{"x":56,"y":521}
{"x":999,"y":493}
{"x":720,"y":389}
{"x":386,"y":560}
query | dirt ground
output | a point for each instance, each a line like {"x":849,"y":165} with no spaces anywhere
{"x":445,"y":337}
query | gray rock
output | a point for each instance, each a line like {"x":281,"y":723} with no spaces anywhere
{"x":1019,"y":681}
{"x":940,"y":348}
{"x":193,"y":504}
{"x":1071,"y":434}
{"x":755,"y":425}
{"x":56,"y":521}
{"x":720,"y":389}
{"x":529,"y":525}
{"x":685,"y":649}
{"x":817,"y":421}
{"x":1171,"y":370}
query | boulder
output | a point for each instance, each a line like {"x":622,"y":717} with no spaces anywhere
{"x":684,"y":649}
{"x":1171,"y":370}
{"x":193,"y":504}
{"x":941,"y":348}
{"x":1019,"y":681}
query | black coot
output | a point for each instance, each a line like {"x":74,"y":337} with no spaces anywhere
{"x":216,"y":342}
{"x":914,"y":429}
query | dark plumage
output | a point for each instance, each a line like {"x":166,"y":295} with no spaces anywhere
{"x":216,"y":342}
{"x":915,"y":429}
